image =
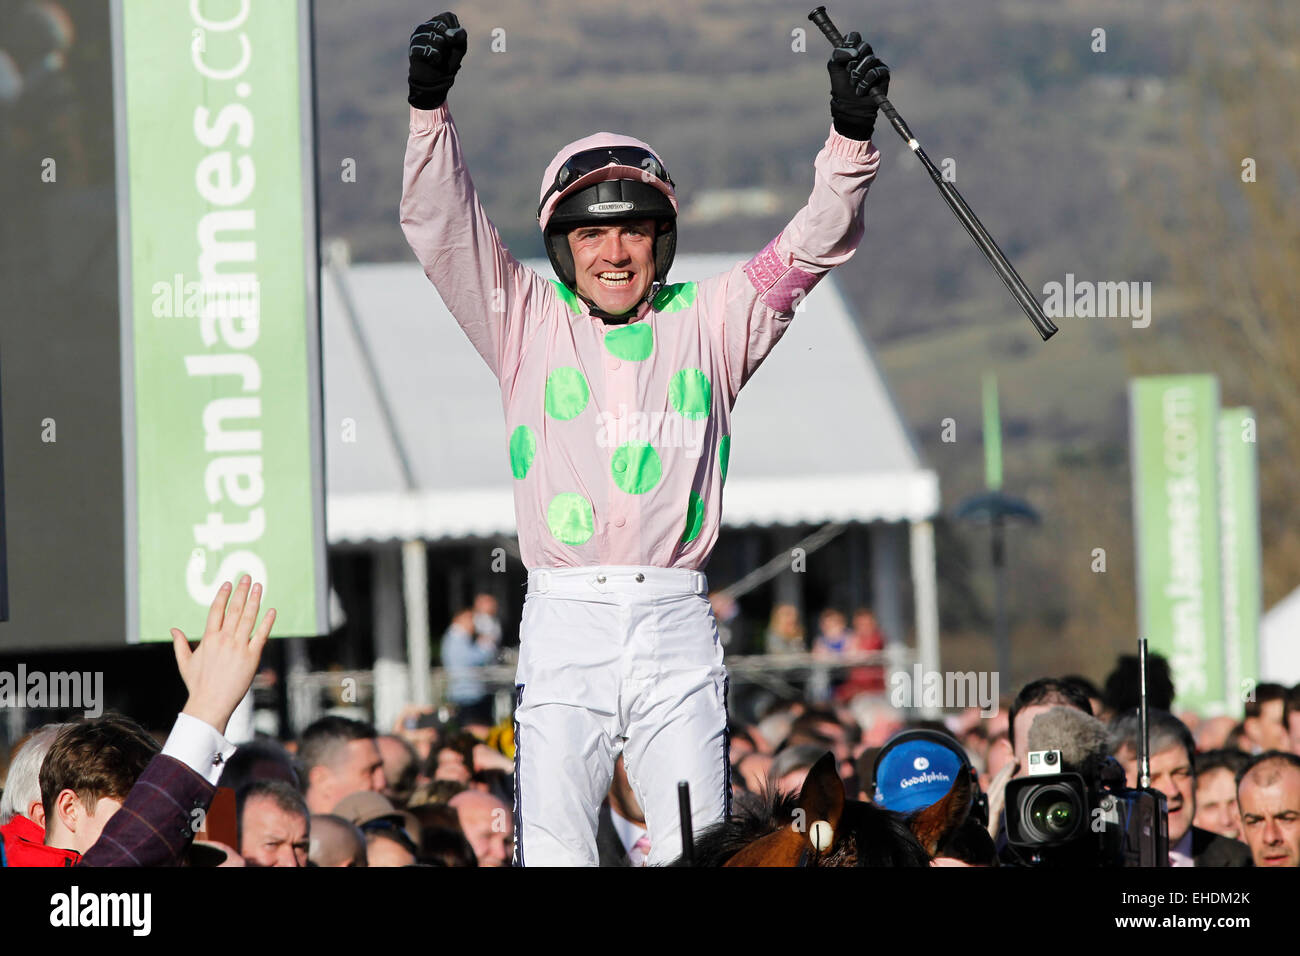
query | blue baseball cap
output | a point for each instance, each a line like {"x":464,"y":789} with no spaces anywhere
{"x":915,"y":773}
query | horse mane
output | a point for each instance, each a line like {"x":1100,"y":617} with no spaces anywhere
{"x":880,"y":837}
{"x":758,"y":816}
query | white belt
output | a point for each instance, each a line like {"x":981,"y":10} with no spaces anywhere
{"x":617,"y":579}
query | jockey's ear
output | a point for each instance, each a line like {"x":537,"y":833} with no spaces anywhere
{"x":932,"y":825}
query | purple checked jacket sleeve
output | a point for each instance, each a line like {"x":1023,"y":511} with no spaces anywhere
{"x":156,"y":824}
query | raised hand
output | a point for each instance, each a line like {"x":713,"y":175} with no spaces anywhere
{"x":857,"y":78}
{"x":437,"y":47}
{"x":219,"y":672}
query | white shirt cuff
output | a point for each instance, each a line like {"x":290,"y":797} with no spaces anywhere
{"x":197,"y":744}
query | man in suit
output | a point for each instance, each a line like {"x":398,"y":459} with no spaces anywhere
{"x":154,"y":823}
{"x":621,"y":835}
{"x":1268,"y":796}
{"x":85,"y":779}
{"x":1173,"y":772}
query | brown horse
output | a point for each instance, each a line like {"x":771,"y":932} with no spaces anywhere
{"x":820,"y":827}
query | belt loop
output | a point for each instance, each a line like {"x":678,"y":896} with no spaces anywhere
{"x":699,"y":582}
{"x":543,"y":581}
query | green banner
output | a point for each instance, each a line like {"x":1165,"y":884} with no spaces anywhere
{"x":221,"y":347}
{"x":1239,"y":524}
{"x":1174,"y":430}
{"x":992,"y":434}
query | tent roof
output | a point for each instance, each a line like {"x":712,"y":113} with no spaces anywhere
{"x":1279,"y":651}
{"x":816,"y":435}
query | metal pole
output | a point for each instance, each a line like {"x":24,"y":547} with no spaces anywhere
{"x":1002,"y":638}
{"x":1144,"y":741}
{"x":926,"y":600}
{"x":415,"y":585}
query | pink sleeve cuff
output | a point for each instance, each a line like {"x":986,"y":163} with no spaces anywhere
{"x":425,"y":121}
{"x":861,"y":151}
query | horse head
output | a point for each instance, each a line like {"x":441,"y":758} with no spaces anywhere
{"x":823,"y":828}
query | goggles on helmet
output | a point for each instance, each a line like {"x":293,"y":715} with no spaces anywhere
{"x":590,"y":160}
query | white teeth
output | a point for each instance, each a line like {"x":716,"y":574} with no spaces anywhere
{"x":615,"y":278}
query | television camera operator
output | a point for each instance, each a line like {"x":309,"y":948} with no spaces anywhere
{"x":1072,"y":806}
{"x":1173,"y":773}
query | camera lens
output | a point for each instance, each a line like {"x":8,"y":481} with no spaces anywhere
{"x":1056,"y":818}
{"x":1051,"y":813}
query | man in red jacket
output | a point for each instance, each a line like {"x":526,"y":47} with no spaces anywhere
{"x":22,"y":813}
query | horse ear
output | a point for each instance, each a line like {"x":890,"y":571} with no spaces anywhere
{"x":822,"y":796}
{"x":820,"y":800}
{"x":933,"y":824}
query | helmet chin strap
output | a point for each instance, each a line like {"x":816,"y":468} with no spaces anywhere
{"x":627,"y":316}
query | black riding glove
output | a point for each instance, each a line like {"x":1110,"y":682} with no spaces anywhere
{"x":856,"y":75}
{"x":437,"y":47}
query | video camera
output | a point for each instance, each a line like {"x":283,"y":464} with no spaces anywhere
{"x":1084,"y":817}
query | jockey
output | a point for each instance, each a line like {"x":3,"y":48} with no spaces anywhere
{"x":617,"y":388}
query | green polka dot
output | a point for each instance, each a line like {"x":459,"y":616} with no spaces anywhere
{"x":675,"y":297}
{"x":724,"y":454}
{"x":691,"y":394}
{"x":633,"y":343}
{"x":567,"y":296}
{"x":523,"y":447}
{"x":566,"y":393}
{"x":694,"y":518}
{"x":570,"y":519}
{"x":636,"y":467}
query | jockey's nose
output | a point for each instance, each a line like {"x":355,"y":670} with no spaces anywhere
{"x":614,"y":249}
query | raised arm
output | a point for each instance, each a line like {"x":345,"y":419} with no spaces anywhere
{"x":165,"y":807}
{"x":761,"y":296}
{"x":487,"y":290}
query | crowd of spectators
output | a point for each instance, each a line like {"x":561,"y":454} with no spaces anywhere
{"x":436,"y":790}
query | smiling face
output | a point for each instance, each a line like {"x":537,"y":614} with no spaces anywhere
{"x":1171,"y":774}
{"x":614,"y":264}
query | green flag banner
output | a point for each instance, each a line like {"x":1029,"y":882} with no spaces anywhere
{"x":1239,"y":523}
{"x":1174,"y":427}
{"x":221,"y":332}
{"x":992,"y":434}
